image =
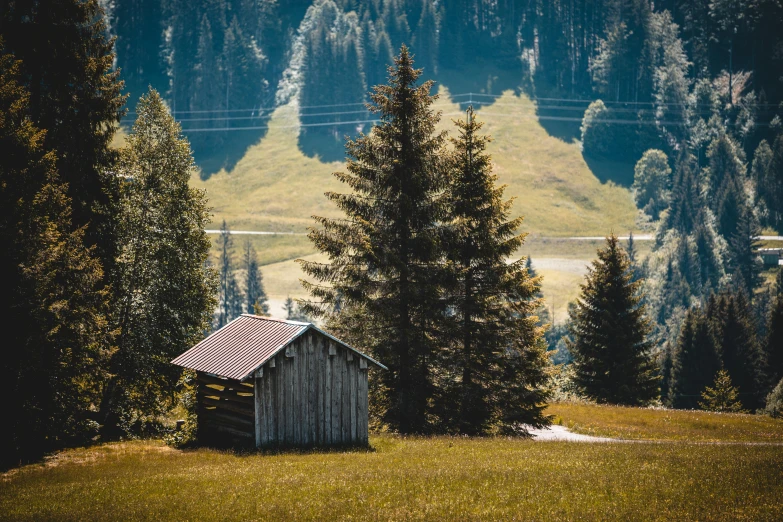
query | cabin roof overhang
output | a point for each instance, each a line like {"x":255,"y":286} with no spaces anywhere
{"x":244,"y":345}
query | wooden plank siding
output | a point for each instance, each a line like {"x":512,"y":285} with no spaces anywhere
{"x":310,"y":394}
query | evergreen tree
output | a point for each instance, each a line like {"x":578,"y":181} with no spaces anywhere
{"x":425,"y":40}
{"x":695,"y":360}
{"x":774,"y":340}
{"x":254,"y":286}
{"x":164,"y":293}
{"x":384,"y":258}
{"x":735,"y":331}
{"x":725,"y":192}
{"x":75,"y":96}
{"x":50,"y":293}
{"x":230,"y":299}
{"x":610,"y":333}
{"x":722,"y":396}
{"x":498,"y":353}
{"x":743,"y":251}
{"x":208,"y":88}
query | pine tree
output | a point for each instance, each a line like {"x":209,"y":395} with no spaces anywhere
{"x":722,"y":396}
{"x":75,"y":96}
{"x":695,"y":360}
{"x":254,"y":285}
{"x":610,"y":333}
{"x":164,"y":293}
{"x":230,"y":299}
{"x":735,"y":330}
{"x":50,"y":293}
{"x":774,"y":341}
{"x":725,"y":193}
{"x":384,"y":258}
{"x":497,"y":348}
{"x":743,"y":251}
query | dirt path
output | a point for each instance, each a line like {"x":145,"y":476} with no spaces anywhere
{"x":561,"y":433}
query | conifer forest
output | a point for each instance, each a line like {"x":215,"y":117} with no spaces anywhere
{"x":519,"y":208}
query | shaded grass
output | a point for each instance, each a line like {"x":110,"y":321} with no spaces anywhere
{"x":276,"y":187}
{"x":659,"y":424}
{"x":405,"y":479}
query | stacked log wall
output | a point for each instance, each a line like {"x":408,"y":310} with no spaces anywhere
{"x":225,"y":411}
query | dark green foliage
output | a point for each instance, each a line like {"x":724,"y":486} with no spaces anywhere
{"x":774,"y":340}
{"x":735,"y":331}
{"x":164,"y":295}
{"x":610,"y":333}
{"x":725,"y":177}
{"x":51,"y":300}
{"x":75,"y":95}
{"x":744,"y":261}
{"x":695,"y":360}
{"x":255,"y":297}
{"x":767,"y":173}
{"x":495,"y":362}
{"x":384,"y":258}
{"x":230,"y":298}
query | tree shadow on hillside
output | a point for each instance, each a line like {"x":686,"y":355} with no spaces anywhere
{"x":326,"y":144}
{"x":560,"y":120}
{"x":606,"y":170}
{"x":480,"y":84}
{"x":214,"y":153}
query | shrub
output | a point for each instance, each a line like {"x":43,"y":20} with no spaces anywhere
{"x":652,"y":183}
{"x":775,"y":401}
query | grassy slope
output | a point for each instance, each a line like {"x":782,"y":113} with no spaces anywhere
{"x":681,"y":425}
{"x":276,"y":187}
{"x":412,"y":479}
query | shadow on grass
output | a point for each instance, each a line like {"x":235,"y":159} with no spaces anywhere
{"x":240,"y":450}
{"x":606,"y":170}
{"x":326,"y":144}
{"x":480,"y":84}
{"x":221,"y":149}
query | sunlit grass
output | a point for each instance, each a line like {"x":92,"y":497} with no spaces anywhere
{"x":405,"y":479}
{"x":276,"y":187}
{"x":663,"y":424}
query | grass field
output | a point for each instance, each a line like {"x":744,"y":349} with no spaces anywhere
{"x":277,"y":187}
{"x":404,"y":479}
{"x":657,"y":424}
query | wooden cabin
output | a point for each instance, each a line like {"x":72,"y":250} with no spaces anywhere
{"x":266,"y":382}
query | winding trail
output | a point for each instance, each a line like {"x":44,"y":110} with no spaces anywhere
{"x":560,"y":433}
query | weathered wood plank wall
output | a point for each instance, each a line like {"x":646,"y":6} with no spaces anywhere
{"x":312,"y":393}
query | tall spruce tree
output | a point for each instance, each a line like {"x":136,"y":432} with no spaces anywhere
{"x":610,"y":333}
{"x":744,"y":261}
{"x":230,"y":299}
{"x":735,"y":330}
{"x":75,"y":96}
{"x":774,"y":341}
{"x":51,"y":300}
{"x":164,"y":293}
{"x":254,"y":286}
{"x":384,"y":256}
{"x":497,"y":351}
{"x":695,"y":360}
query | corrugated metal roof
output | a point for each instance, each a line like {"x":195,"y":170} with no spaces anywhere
{"x":244,"y":344}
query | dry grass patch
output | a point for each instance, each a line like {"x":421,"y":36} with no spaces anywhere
{"x":663,"y":424}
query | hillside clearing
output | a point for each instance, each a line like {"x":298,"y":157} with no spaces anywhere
{"x":276,"y":187}
{"x":440,"y":478}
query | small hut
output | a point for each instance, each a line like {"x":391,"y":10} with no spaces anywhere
{"x":267,"y":382}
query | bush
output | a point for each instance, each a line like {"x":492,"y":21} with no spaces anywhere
{"x":652,"y":183}
{"x":775,"y":401}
